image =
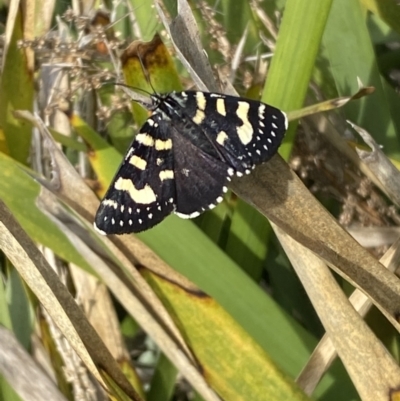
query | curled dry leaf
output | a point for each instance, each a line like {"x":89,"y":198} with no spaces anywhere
{"x":379,"y":165}
{"x":329,"y":104}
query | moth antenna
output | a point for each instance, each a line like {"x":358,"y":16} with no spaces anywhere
{"x":144,"y":101}
{"x":135,"y":88}
{"x":146,"y":74}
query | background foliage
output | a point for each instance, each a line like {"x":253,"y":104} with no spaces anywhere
{"x":226,"y":304}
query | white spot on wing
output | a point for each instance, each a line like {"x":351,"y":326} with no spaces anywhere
{"x":145,"y":139}
{"x":98,"y":230}
{"x":110,"y":202}
{"x":201,"y":100}
{"x":199,"y":117}
{"x":261,"y":111}
{"x":222,"y":137}
{"x":200,"y":107}
{"x":130,"y":151}
{"x":138,"y":162}
{"x":286,"y":120}
{"x":166,"y":175}
{"x":163,"y":145}
{"x":245,"y":131}
{"x":144,"y":196}
{"x":221,"y":106}
{"x":188,"y":216}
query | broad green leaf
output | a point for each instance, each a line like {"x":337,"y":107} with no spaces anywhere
{"x":233,"y":363}
{"x":20,"y":193}
{"x":192,"y":254}
{"x":247,"y":241}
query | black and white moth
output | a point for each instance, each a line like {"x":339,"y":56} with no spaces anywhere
{"x":184,"y":155}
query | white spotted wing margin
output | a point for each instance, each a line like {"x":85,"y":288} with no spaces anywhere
{"x":142,"y":192}
{"x":183,"y":157}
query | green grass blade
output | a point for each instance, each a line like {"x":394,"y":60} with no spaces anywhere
{"x":163,"y":381}
{"x":297,"y":46}
{"x":16,"y":93}
{"x":20,"y":192}
{"x":388,"y":10}
{"x":247,"y":242}
{"x":351,"y":56}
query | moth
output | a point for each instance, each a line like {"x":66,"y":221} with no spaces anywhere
{"x":184,"y":156}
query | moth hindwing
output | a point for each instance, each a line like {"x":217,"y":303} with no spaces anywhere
{"x":183,"y":156}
